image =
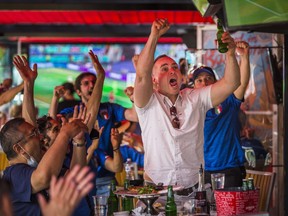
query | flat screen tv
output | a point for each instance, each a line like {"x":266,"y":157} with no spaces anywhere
{"x":256,"y":15}
{"x":59,"y":63}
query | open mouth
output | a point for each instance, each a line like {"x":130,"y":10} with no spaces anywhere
{"x":90,"y":93}
{"x":173,"y":82}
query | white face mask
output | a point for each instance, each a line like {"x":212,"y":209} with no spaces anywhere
{"x":31,"y":160}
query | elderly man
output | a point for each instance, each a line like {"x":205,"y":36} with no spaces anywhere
{"x":171,"y":120}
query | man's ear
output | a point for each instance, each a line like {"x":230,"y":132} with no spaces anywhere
{"x":78,"y":92}
{"x":17,"y":148}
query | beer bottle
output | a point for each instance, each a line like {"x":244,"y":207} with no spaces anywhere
{"x":112,"y":199}
{"x":200,"y":196}
{"x":170,"y":208}
{"x":127,"y":202}
{"x":222,"y":47}
{"x":201,"y":183}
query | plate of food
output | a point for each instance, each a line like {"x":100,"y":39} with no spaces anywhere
{"x":147,"y":191}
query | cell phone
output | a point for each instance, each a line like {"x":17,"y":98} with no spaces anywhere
{"x":94,"y":134}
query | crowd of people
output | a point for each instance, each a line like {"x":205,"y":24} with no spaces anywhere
{"x":59,"y":161}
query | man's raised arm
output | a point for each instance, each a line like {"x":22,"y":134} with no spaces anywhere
{"x":231,"y":80}
{"x":29,"y":76}
{"x":143,"y":82}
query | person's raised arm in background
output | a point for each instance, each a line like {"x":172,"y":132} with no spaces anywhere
{"x":9,"y":94}
{"x":143,"y":82}
{"x":58,"y":92}
{"x":115,"y":164}
{"x":242,"y":49}
{"x":29,"y":76}
{"x":95,"y":99}
{"x":231,"y":79}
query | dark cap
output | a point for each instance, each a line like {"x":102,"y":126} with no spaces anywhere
{"x":202,"y":69}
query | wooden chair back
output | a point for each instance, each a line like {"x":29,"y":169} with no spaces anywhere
{"x":3,"y":161}
{"x":265,"y":182}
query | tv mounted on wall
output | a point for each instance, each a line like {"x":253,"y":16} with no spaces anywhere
{"x":256,"y":15}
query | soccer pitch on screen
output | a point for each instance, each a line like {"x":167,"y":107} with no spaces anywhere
{"x":48,"y":78}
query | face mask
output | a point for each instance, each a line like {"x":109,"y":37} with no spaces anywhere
{"x":31,"y":160}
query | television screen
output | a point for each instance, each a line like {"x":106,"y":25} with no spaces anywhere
{"x":201,"y":5}
{"x":256,"y":15}
{"x":59,"y":63}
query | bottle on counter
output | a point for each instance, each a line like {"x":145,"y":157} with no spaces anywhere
{"x":201,"y":205}
{"x":170,"y":207}
{"x":129,"y":169}
{"x":222,"y":47}
{"x":201,"y":183}
{"x":112,"y":199}
{"x":127,"y":202}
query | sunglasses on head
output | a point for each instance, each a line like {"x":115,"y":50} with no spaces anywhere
{"x":175,"y":120}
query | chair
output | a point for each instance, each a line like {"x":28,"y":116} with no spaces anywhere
{"x":120,"y":177}
{"x":265,"y":182}
{"x":3,"y":161}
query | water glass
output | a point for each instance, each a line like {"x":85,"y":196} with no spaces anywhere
{"x":101,"y":206}
{"x":217,"y":180}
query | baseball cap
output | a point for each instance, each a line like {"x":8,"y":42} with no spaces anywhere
{"x":196,"y":72}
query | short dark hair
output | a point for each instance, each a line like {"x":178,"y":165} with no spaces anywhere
{"x":43,"y":123}
{"x":161,"y":56}
{"x":9,"y":135}
{"x":69,"y":86}
{"x":80,"y":77}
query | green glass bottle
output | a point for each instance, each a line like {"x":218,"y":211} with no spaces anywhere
{"x":112,"y":199}
{"x":127,"y":202}
{"x":222,"y":47}
{"x":170,"y":208}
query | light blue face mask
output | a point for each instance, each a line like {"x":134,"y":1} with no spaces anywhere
{"x":31,"y":160}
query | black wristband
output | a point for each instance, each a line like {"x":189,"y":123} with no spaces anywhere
{"x":116,"y":149}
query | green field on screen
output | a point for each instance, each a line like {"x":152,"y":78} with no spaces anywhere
{"x":48,"y":78}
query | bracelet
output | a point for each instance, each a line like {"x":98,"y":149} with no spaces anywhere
{"x":116,"y":149}
{"x":74,"y":143}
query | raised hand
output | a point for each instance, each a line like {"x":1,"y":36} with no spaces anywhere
{"x":160,"y":27}
{"x":129,"y":91}
{"x":74,"y":127}
{"x":22,"y":65}
{"x":135,"y":60}
{"x":59,"y":91}
{"x":226,"y":38}
{"x":96,"y":64}
{"x":66,"y":193}
{"x":242,"y":48}
{"x":115,"y":138}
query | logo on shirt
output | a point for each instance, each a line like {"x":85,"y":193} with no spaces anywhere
{"x":104,"y":114}
{"x":218,"y":109}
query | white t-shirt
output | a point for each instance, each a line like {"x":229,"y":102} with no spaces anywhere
{"x":173,"y":156}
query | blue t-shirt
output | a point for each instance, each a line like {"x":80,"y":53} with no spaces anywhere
{"x":108,"y":115}
{"x":23,"y":201}
{"x":130,"y":152}
{"x":222,"y":145}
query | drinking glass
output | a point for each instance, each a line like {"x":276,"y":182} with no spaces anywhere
{"x":217,"y":181}
{"x":101,"y":206}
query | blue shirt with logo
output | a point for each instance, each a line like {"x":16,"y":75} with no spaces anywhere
{"x":222,"y":145}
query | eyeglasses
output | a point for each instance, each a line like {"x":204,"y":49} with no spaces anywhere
{"x":35,"y":133}
{"x":87,"y":82}
{"x":175,"y":120}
